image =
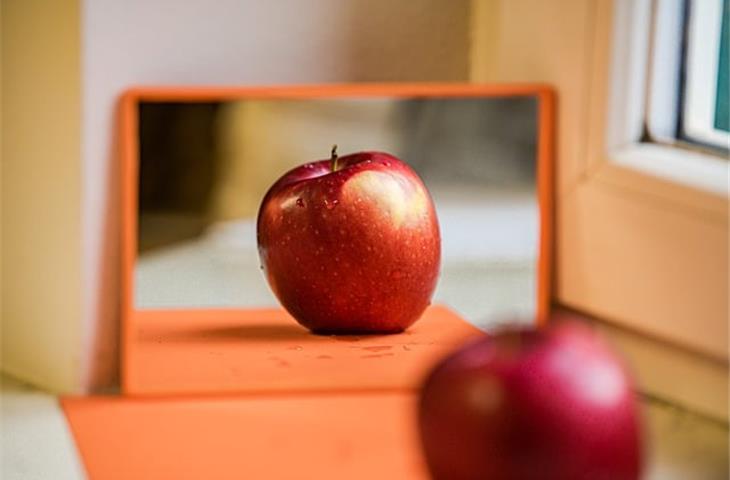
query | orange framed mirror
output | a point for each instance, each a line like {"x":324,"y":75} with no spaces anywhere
{"x":197,"y":315}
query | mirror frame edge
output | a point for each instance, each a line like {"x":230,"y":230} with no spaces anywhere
{"x":128,"y":158}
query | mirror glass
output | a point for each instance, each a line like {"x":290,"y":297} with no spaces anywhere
{"x":205,"y":167}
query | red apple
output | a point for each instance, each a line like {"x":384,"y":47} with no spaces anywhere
{"x":351,"y":244}
{"x":531,"y":404}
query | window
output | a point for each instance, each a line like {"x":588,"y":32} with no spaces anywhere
{"x":688,"y":78}
{"x":655,"y":81}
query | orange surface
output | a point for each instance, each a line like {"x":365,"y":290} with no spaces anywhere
{"x":226,"y":351}
{"x":356,"y":436}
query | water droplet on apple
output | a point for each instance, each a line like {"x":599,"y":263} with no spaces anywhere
{"x":396,"y":275}
{"x":300,"y":202}
{"x":386,"y":163}
{"x":330,"y":204}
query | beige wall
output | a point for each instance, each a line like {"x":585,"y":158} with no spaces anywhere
{"x":66,"y":62}
{"x":41,"y":191}
{"x":234,"y":42}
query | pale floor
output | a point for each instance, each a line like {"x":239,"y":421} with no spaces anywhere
{"x":35,"y":441}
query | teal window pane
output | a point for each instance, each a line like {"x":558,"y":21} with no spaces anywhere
{"x":722,"y":100}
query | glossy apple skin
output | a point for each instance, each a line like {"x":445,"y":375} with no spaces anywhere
{"x":531,"y":404}
{"x":356,"y":250}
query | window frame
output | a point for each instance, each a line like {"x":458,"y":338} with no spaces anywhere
{"x":701,"y":69}
{"x":645,"y":254}
{"x":637,"y":86}
{"x":662,"y":186}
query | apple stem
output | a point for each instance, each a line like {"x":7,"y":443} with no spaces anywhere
{"x":333,"y":157}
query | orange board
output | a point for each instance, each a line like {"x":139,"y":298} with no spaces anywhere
{"x":346,"y":436}
{"x":227,"y":351}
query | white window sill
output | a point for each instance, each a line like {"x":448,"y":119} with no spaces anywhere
{"x":692,"y":169}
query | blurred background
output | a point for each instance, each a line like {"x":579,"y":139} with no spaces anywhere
{"x":641,"y":224}
{"x":204,"y":169}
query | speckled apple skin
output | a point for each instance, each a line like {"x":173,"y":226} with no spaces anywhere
{"x":356,"y":250}
{"x":552,"y":404}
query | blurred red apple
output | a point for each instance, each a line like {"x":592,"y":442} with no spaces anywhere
{"x":531,"y":404}
{"x":351,"y":244}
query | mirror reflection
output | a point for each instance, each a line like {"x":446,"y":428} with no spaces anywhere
{"x":205,"y":167}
